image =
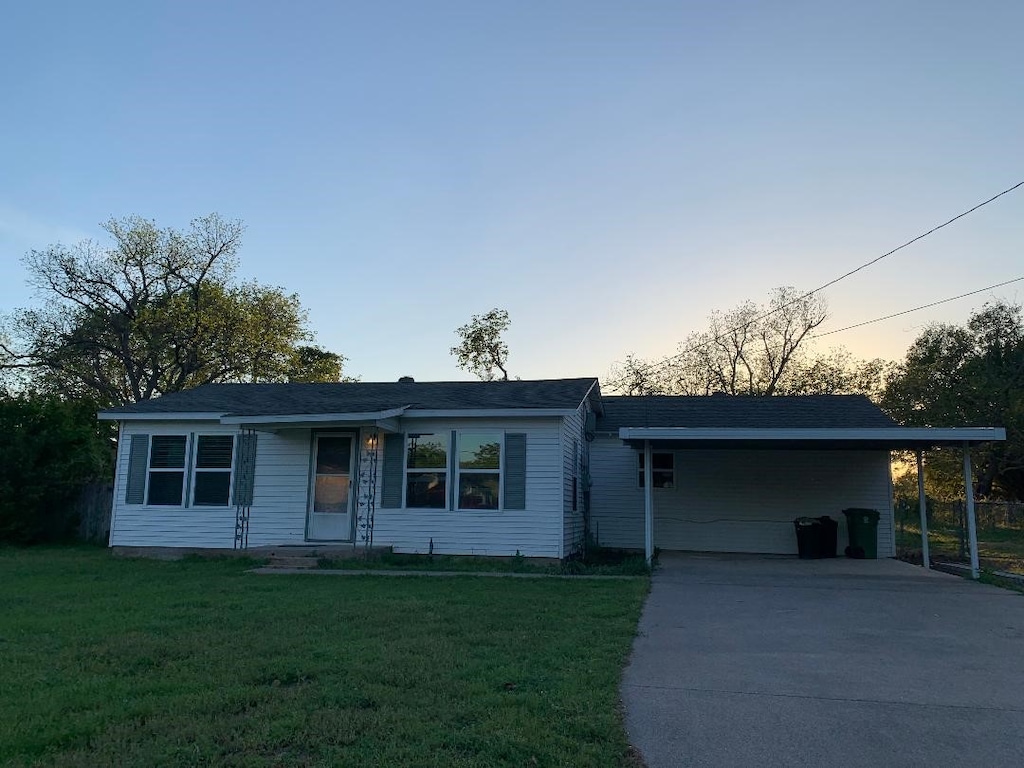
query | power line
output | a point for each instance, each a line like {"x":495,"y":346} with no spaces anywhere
{"x":865,"y":265}
{"x":915,"y":309}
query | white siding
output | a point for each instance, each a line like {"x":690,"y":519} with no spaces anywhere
{"x":533,"y":532}
{"x":277,"y":516}
{"x":139,"y":525}
{"x":281,"y":492}
{"x":738,"y":500}
{"x":574,"y":452}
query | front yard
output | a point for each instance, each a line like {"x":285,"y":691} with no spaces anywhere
{"x":137,"y":662}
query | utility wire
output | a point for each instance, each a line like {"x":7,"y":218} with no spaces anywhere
{"x":915,"y":309}
{"x":666,"y":361}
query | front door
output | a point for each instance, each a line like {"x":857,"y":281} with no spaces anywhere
{"x":330,"y":507}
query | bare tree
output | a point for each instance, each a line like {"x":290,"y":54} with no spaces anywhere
{"x":751,"y":349}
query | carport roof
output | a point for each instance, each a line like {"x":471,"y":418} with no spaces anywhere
{"x":822,"y":421}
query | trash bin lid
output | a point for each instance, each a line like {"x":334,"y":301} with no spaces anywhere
{"x":858,"y":512}
{"x":807,"y":521}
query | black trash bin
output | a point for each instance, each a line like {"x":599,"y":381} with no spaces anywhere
{"x":829,"y":539}
{"x":808,"y":537}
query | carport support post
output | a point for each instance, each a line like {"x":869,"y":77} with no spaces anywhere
{"x":922,"y":502}
{"x":972,"y":526}
{"x":648,"y":503}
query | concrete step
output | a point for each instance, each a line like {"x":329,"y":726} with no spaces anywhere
{"x":293,"y":562}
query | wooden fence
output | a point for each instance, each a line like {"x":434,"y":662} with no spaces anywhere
{"x":92,"y":509}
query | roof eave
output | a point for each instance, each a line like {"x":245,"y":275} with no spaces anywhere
{"x":896,"y":436}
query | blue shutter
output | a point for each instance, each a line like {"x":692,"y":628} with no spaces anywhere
{"x":245,"y":468}
{"x":515,"y":471}
{"x":394,"y":471}
{"x":138,"y":461}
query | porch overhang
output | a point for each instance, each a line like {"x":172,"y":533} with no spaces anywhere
{"x":386,"y":420}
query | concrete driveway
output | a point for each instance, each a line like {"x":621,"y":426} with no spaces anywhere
{"x":764,"y":661}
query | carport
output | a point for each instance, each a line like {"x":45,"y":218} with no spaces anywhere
{"x":651,"y":438}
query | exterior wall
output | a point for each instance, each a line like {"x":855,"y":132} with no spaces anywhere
{"x":277,"y":516}
{"x":738,"y":500}
{"x":575,"y":449}
{"x":281,"y":493}
{"x":533,"y":532}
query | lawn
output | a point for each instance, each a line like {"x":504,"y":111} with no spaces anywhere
{"x":999,"y":549}
{"x":108,"y":661}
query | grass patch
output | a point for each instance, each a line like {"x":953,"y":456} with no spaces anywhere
{"x":999,"y":549}
{"x":111,"y":661}
{"x":604,"y":563}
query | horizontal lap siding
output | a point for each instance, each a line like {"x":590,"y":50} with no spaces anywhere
{"x":281,"y":490}
{"x":741,"y":501}
{"x":140,"y":525}
{"x":533,"y":532}
{"x":572,"y":522}
{"x":616,"y":504}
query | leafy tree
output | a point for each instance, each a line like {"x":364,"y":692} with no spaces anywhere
{"x":482,"y":351}
{"x":51,"y":447}
{"x":157,"y":312}
{"x":970,"y":375}
{"x":312,"y":364}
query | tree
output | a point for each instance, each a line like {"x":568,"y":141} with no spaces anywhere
{"x":970,"y":375}
{"x":757,"y":350}
{"x":157,"y":312}
{"x":482,"y":350}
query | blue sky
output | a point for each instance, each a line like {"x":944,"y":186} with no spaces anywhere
{"x":609,"y":172}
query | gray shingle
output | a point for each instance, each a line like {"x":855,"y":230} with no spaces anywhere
{"x":729,"y":412}
{"x":359,"y":397}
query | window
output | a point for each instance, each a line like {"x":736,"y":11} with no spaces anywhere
{"x":212,"y":481}
{"x":479,"y":470}
{"x":166,"y":470}
{"x":426,"y":471}
{"x":662,"y":470}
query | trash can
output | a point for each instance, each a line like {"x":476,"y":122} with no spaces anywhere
{"x":829,"y":536}
{"x":808,"y":537}
{"x":862,"y":525}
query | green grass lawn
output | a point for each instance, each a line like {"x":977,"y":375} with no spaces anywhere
{"x":1000,"y":549}
{"x":107,"y":661}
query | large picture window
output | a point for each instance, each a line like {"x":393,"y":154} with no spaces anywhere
{"x":212,"y":481}
{"x":479,"y":470}
{"x":166,"y":470}
{"x":663,"y":470}
{"x":426,"y":471}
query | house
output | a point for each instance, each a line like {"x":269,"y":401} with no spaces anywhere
{"x":499,"y":468}
{"x":484,"y":468}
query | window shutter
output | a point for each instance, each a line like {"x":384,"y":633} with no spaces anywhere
{"x":394,"y":471}
{"x":515,"y":471}
{"x":453,"y":467}
{"x":138,"y":459}
{"x":245,"y":469}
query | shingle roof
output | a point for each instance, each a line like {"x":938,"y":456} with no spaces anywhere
{"x":361,"y":397}
{"x":730,"y":412}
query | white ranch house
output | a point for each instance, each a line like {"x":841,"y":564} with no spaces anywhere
{"x":499,"y":468}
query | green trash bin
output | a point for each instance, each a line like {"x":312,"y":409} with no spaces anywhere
{"x":862,"y":526}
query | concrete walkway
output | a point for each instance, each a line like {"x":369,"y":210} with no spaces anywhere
{"x":765,"y":661}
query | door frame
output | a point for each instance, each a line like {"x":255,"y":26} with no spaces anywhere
{"x":353,"y":463}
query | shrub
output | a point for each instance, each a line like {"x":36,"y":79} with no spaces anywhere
{"x":49,"y":449}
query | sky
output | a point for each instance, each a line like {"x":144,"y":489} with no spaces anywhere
{"x":608,"y":172}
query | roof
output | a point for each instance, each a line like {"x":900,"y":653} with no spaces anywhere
{"x":740,"y":412}
{"x":366,"y":397}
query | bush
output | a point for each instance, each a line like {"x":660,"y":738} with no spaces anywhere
{"x":50,"y":448}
